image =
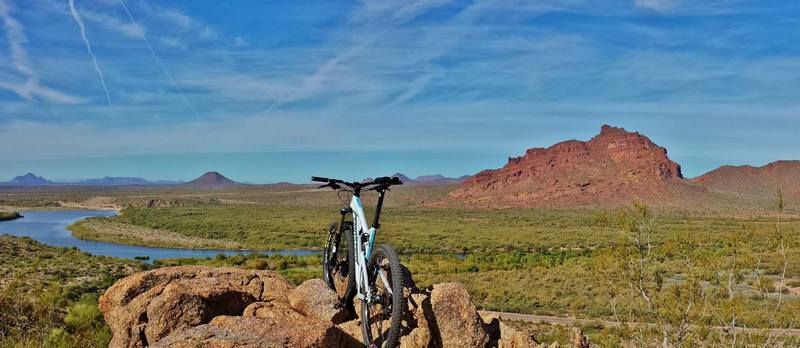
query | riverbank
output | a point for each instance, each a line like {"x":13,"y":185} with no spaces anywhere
{"x":7,"y":216}
{"x":93,"y":203}
{"x":105,"y":230}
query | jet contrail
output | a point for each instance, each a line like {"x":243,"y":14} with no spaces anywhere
{"x":79,"y":20}
{"x":158,"y":60}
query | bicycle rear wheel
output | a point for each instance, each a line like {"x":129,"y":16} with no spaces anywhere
{"x":337,"y":257}
{"x":381,"y":317}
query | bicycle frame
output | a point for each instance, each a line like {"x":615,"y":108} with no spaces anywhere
{"x":362,"y":255}
{"x":360,"y":230}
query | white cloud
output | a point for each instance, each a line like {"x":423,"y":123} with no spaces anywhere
{"x":398,"y":10}
{"x":174,"y":42}
{"x":32,"y":87}
{"x":656,"y":5}
{"x":114,"y":23}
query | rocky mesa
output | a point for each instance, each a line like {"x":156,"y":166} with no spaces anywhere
{"x":197,"y":306}
{"x":613,"y":167}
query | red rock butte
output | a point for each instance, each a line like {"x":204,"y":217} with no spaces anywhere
{"x":614,"y":166}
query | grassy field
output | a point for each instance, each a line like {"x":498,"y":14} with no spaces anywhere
{"x":576,"y":263}
{"x":48,"y":295}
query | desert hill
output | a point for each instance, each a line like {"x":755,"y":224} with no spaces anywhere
{"x":211,"y":180}
{"x":29,"y":179}
{"x":434,"y":179}
{"x":124,"y":181}
{"x":613,"y":168}
{"x":757,"y":181}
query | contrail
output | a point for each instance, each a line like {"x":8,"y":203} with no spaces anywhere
{"x":158,"y":60}
{"x":79,"y":20}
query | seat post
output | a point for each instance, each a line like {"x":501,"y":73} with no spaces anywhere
{"x":376,"y":222}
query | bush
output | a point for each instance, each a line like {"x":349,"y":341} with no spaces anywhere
{"x":84,"y":314}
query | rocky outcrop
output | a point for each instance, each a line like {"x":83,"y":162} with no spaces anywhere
{"x":614,"y":166}
{"x":146,"y":307}
{"x":196,"y":306}
{"x":313,"y":298}
{"x":454,"y":317}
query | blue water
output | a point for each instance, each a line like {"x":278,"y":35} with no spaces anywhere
{"x":50,"y":227}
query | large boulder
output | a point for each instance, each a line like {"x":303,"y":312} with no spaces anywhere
{"x":313,"y":298}
{"x":454,"y":321}
{"x":231,"y":331}
{"x":147,"y":306}
{"x":419,"y":334}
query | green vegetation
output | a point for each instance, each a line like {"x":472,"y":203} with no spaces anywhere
{"x":48,"y":295}
{"x":584,"y":264}
{"x":5,"y":216}
{"x":418,"y":230}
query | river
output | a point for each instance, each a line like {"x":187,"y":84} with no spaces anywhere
{"x":50,"y":227}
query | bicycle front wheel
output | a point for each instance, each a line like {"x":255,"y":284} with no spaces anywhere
{"x":381,"y":315}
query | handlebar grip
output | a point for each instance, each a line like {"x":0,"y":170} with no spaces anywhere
{"x":319,"y":179}
{"x":396,"y":181}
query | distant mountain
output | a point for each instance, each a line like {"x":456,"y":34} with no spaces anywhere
{"x":406,"y":180}
{"x":438,"y":179}
{"x":613,"y":168}
{"x":758,"y":181}
{"x":435,"y":179}
{"x":124,"y":181}
{"x":212,"y":180}
{"x":29,"y":179}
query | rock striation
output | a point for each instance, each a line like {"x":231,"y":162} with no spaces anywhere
{"x":614,"y":166}
{"x":198,"y":306}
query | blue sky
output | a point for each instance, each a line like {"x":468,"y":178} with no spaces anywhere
{"x":268,"y":91}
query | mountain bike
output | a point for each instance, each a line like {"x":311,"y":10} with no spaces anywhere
{"x":357,"y":269}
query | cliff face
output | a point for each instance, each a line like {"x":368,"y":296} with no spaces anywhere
{"x":616,"y":165}
{"x":197,"y":306}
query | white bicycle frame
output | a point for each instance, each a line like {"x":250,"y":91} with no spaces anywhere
{"x":363,"y":251}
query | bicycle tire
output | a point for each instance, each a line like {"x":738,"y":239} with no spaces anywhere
{"x":383,"y":258}
{"x":337,"y":273}
{"x":328,"y":263}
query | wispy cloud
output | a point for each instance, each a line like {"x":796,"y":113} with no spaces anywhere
{"x":656,"y":5}
{"x":113,"y":23}
{"x":32,"y":87}
{"x":97,"y":69}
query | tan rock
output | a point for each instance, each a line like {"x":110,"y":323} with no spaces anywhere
{"x":273,"y":310}
{"x":201,"y":292}
{"x":420,"y":335}
{"x":513,"y":338}
{"x":353,"y":330}
{"x":230,"y":331}
{"x":455,"y":321}
{"x":314,"y":299}
{"x":227,"y":307}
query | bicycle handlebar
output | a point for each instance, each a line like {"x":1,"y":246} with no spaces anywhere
{"x":381,"y":181}
{"x":319,"y":179}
